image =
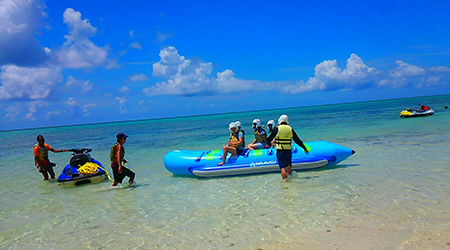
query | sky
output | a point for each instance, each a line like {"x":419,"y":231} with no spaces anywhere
{"x":89,"y":61}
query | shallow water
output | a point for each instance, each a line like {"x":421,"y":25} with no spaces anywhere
{"x":392,"y":194}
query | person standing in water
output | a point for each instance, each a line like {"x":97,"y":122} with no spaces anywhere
{"x":41,"y":160}
{"x":117,"y":157}
{"x":283,"y":135}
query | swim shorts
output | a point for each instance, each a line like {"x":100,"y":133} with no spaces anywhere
{"x":260,"y":145}
{"x":284,"y":158}
{"x":125,"y":172}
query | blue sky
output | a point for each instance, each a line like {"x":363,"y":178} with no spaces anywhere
{"x":76,"y":62}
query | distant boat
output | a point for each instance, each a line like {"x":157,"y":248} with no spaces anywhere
{"x":423,"y":111}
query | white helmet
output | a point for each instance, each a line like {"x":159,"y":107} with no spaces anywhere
{"x":232,"y":125}
{"x":238,"y":123}
{"x":271,"y":122}
{"x":257,"y":122}
{"x":283,"y":118}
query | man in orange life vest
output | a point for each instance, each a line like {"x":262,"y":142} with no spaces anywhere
{"x":41,"y":160}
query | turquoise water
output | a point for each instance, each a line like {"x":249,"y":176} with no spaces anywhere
{"x":392,"y":194}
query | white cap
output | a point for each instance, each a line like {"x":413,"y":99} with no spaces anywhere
{"x":283,"y":118}
{"x":271,"y":122}
{"x":257,"y":121}
{"x":238,"y":123}
{"x":232,"y":125}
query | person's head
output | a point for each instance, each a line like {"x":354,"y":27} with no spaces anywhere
{"x":40,"y":139}
{"x":256,"y":123}
{"x":121,"y":136}
{"x":270,"y":124}
{"x":238,"y":124}
{"x":232,"y":126}
{"x":284,"y":119}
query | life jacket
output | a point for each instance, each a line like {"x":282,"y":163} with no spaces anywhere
{"x":113,"y":153}
{"x":43,"y":154}
{"x":283,"y":140}
{"x":234,"y":138}
{"x":258,"y":135}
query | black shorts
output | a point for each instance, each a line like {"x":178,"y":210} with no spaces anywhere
{"x":284,"y":158}
{"x":125,"y":172}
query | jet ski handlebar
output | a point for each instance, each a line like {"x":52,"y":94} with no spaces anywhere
{"x":80,"y":150}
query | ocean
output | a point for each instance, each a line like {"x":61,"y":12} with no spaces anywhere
{"x":393,"y":193}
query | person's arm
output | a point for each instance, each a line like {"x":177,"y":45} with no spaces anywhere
{"x":272,"y":136}
{"x":55,"y":150}
{"x":264,"y":136}
{"x":298,"y":141}
{"x":119,"y":160}
{"x":36,"y":155}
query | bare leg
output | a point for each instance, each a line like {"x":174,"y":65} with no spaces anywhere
{"x":45,"y":174}
{"x":224,"y":156}
{"x":227,"y":149}
{"x":51,"y":172}
{"x":284,"y":174}
{"x":289,"y":170}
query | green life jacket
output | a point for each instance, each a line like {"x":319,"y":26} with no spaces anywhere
{"x":113,"y":153}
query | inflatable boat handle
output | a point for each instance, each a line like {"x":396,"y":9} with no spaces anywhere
{"x":200,"y":157}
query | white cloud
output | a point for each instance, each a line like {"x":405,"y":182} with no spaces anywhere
{"x":33,"y":109}
{"x":19,"y":23}
{"x":88,"y":107}
{"x":84,"y":86}
{"x":52,"y":114}
{"x":182,"y":76}
{"x":122,"y":104}
{"x":19,"y":83}
{"x":136,"y":45}
{"x":301,"y":87}
{"x":329,"y":76}
{"x":71,"y":102}
{"x":79,"y":51}
{"x":160,"y":37}
{"x":12,"y":111}
{"x":124,"y":89}
{"x":227,"y":83}
{"x":138,"y":78}
{"x":440,"y":69}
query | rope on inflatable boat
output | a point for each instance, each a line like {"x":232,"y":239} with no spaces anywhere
{"x":92,"y":168}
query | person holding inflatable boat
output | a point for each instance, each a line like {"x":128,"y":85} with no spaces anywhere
{"x":283,"y":135}
{"x":236,"y":143}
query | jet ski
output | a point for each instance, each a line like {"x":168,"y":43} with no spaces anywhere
{"x":423,"y":111}
{"x":82,"y":169}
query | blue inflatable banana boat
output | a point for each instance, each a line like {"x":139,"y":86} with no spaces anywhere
{"x":204,"y":163}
